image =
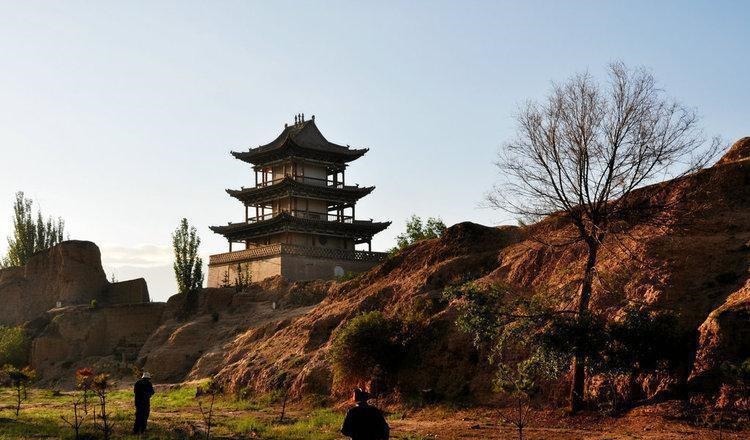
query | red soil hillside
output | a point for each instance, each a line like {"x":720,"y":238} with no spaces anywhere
{"x":697,"y":265}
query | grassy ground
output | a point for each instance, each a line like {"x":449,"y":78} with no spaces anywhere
{"x":175,"y":415}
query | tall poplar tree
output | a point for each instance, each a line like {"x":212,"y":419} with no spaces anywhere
{"x":29,"y":235}
{"x":188,"y":266}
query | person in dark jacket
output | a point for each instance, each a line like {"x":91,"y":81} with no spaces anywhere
{"x":143,"y":390}
{"x":365,"y":422}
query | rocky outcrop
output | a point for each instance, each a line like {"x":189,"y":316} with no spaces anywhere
{"x":195,"y":347}
{"x":723,"y":337}
{"x":69,"y":273}
{"x":740,"y":150}
{"x":78,"y":336}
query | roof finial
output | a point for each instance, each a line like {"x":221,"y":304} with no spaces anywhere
{"x":295,"y":119}
{"x":313,"y":118}
{"x":303,"y":117}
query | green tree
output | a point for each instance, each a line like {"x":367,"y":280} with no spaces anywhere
{"x":532,"y":343}
{"x":188,"y":266}
{"x":418,"y":230}
{"x":29,"y":235}
{"x":510,"y":331}
{"x":14,"y":346}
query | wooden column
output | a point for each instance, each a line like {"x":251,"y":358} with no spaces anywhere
{"x":247,"y":213}
{"x":230,"y":245}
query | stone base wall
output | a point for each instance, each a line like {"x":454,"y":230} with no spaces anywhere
{"x":292,"y":262}
{"x":260,"y":269}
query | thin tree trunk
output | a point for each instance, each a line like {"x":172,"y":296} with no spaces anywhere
{"x":579,"y":358}
{"x":18,"y":401}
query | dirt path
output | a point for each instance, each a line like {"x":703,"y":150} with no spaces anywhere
{"x":485,"y":424}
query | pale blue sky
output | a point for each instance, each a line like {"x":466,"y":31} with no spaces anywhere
{"x":119,"y":116}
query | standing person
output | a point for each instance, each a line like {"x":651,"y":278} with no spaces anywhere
{"x":143,"y":390}
{"x":365,"y":422}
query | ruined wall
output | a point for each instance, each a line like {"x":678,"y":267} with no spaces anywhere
{"x":73,"y":334}
{"x":127,"y":292}
{"x":69,"y":273}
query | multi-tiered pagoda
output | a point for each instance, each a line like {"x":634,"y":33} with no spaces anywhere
{"x":300,"y":216}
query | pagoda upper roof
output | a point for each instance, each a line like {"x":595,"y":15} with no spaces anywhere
{"x":302,"y":139}
{"x":359,"y":230}
{"x":290,"y":186}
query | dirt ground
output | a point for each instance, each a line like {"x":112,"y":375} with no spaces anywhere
{"x":488,"y":424}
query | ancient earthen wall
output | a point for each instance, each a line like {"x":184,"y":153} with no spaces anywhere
{"x":127,"y":292}
{"x":65,"y":275}
{"x":69,"y":273}
{"x":76,"y":333}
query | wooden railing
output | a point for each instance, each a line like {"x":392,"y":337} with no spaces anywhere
{"x":310,"y":215}
{"x":302,"y":179}
{"x":279,"y":249}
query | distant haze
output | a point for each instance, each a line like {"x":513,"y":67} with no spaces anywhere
{"x":119,"y":116}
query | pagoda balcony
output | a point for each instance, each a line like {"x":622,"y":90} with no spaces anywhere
{"x":308,"y":215}
{"x":329,"y":183}
{"x":278,"y":249}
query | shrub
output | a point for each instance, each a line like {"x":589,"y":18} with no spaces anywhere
{"x":366,"y":348}
{"x":418,"y":230}
{"x":348,"y":276}
{"x":644,"y":340}
{"x":14,"y":347}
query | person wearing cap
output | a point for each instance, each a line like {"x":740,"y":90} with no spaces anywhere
{"x":143,"y":390}
{"x":365,"y":422}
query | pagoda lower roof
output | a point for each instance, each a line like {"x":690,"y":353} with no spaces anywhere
{"x":289,"y":187}
{"x":359,"y":230}
{"x":302,"y":140}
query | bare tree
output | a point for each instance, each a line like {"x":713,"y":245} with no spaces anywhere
{"x":581,"y":154}
{"x":76,"y":422}
{"x":209,"y":392}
